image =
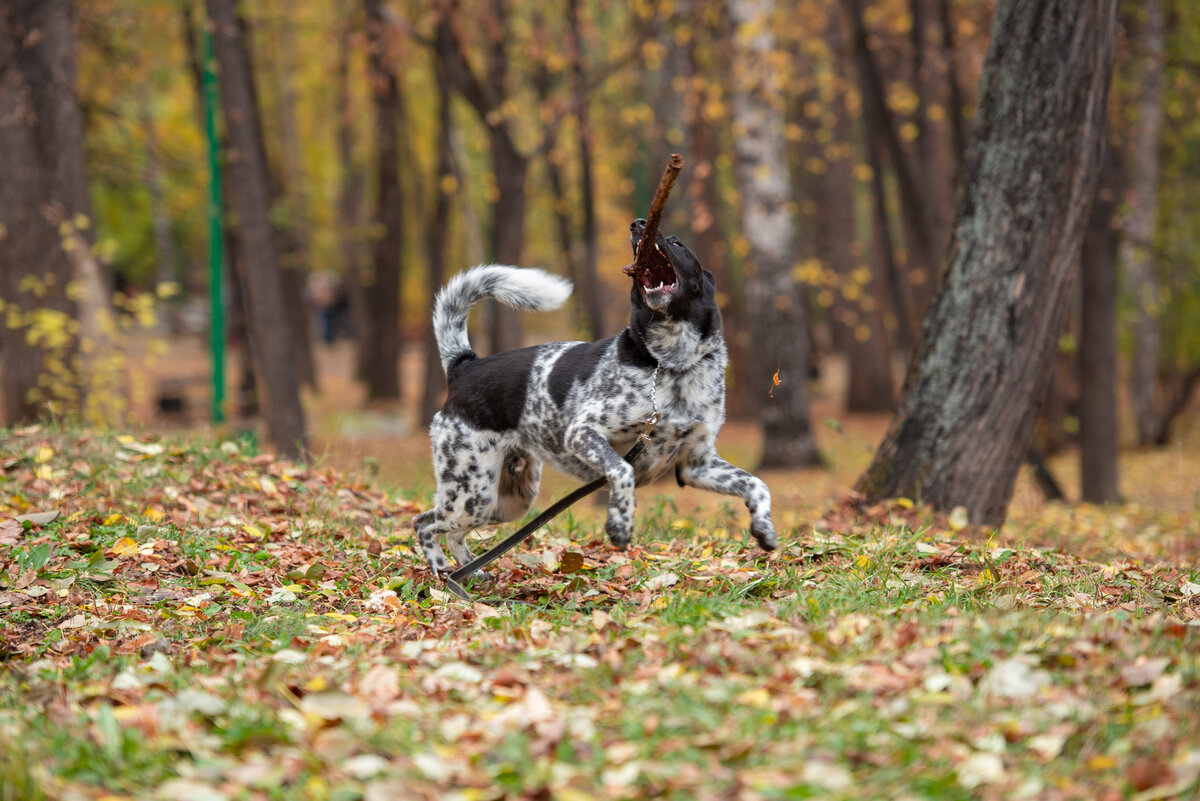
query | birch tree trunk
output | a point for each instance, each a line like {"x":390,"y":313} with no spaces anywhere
{"x":267,"y":313}
{"x":1137,"y":247}
{"x":779,"y":321}
{"x":982,"y":362}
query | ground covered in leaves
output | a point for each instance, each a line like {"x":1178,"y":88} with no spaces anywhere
{"x":188,"y":620}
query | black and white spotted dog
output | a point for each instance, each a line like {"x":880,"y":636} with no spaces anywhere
{"x":581,"y":405}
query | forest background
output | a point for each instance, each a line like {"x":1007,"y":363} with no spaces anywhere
{"x":209,"y":615}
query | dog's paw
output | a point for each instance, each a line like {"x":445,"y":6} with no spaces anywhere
{"x":619,"y":534}
{"x":764,"y":533}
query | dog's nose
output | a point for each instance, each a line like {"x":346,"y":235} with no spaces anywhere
{"x":638,"y":225}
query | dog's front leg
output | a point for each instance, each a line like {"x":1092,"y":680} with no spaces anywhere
{"x":708,"y":471}
{"x":587,"y":444}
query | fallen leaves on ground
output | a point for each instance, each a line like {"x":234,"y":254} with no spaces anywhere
{"x":191,"y":620}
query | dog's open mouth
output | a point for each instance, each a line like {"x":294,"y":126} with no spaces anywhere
{"x":659,"y":281}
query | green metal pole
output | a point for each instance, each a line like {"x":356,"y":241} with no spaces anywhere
{"x":216,"y":235}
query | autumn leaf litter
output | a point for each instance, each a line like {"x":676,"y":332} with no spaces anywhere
{"x":190,"y":619}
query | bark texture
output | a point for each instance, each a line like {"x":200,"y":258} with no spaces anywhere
{"x":779,"y":316}
{"x":267,"y":314}
{"x":982,"y":362}
{"x":41,"y":183}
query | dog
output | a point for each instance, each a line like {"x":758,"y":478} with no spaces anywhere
{"x":580,"y":405}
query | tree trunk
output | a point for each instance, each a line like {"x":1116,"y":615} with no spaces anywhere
{"x":510,"y":166}
{"x":705,"y":206}
{"x":286,"y":226}
{"x":957,"y":110}
{"x":350,"y":192}
{"x":267,"y":314}
{"x":589,"y":280}
{"x":779,"y":315}
{"x":379,"y":359}
{"x":437,"y":233}
{"x":983,"y":359}
{"x":882,"y":125}
{"x":858,"y":313}
{"x":1137,"y":247}
{"x":1098,"y":346}
{"x":41,"y":160}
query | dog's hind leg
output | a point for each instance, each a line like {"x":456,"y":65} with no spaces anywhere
{"x":588,"y":445}
{"x":707,"y":471}
{"x":520,"y":478}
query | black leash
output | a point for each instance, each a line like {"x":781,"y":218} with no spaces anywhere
{"x":453,"y":581}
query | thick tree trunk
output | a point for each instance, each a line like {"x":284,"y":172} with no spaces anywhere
{"x":983,"y":359}
{"x":267,"y":314}
{"x":779,"y":315}
{"x":43,"y":184}
{"x":1137,"y":248}
{"x":1098,"y":346}
{"x":379,"y":358}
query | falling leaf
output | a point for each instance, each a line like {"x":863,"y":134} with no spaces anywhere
{"x":775,"y":381}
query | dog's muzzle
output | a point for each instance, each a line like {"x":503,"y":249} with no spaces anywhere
{"x":660,"y":281}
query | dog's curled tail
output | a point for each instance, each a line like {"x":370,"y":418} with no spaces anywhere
{"x":520,"y":288}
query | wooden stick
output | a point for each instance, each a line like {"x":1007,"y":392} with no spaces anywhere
{"x":641,"y":262}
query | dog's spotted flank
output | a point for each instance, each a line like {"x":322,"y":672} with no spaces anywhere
{"x":579,"y":405}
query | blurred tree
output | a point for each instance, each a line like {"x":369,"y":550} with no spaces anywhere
{"x":882,"y":126}
{"x":43,"y":210}
{"x":1137,"y":246}
{"x":267,"y":310}
{"x":983,"y":359}
{"x":285,"y":212}
{"x":237,"y":330}
{"x":437,"y":232}
{"x":1097,"y":357}
{"x":487,"y":92}
{"x":379,"y":340}
{"x":858,"y":321}
{"x":779,"y":321}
